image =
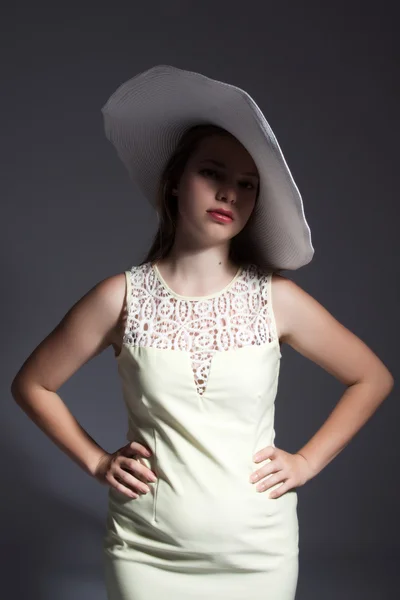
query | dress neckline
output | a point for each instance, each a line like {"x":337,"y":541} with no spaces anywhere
{"x":162,"y":281}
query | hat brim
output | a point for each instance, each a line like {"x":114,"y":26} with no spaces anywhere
{"x":145,"y":118}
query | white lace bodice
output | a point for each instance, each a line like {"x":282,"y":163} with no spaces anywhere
{"x":238,"y":316}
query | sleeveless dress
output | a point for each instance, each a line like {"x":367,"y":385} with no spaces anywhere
{"x":199,"y":378}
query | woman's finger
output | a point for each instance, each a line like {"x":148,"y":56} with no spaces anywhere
{"x":137,"y":448}
{"x":131,"y":481}
{"x":137,"y":467}
{"x":282,"y":489}
{"x":270,"y":481}
{"x":268,"y":469}
{"x":114,"y":482}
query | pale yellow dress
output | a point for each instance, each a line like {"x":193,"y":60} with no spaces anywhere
{"x":199,"y":378}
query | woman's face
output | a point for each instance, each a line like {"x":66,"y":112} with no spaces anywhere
{"x":219,"y":174}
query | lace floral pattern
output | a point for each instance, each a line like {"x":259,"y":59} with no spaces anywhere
{"x":238,"y":316}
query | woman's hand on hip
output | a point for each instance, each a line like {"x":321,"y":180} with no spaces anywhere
{"x":115,"y":470}
{"x":292,"y":470}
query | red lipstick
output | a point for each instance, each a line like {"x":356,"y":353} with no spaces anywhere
{"x":221,"y":215}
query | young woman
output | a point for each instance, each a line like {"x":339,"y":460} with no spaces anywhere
{"x":202,"y":504}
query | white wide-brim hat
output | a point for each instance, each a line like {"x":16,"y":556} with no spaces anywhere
{"x":145,"y":118}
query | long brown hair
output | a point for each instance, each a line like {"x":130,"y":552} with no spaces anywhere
{"x":241,"y":251}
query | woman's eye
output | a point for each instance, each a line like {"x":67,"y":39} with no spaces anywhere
{"x":205,"y":171}
{"x":248,"y":183}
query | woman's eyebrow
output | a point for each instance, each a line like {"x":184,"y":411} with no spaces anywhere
{"x":218,"y":163}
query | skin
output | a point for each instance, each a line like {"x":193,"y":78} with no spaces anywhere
{"x":198,"y":265}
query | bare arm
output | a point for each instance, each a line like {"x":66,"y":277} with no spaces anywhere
{"x":84,"y":332}
{"x":312,"y":331}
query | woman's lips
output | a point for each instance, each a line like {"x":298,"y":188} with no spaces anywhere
{"x":220,"y":217}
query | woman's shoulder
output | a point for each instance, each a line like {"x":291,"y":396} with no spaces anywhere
{"x":88,"y":327}
{"x":266,"y":276}
{"x":114,"y":292}
{"x":282,"y":293}
{"x":110,"y":294}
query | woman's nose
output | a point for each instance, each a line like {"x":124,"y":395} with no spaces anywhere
{"x":227,"y":192}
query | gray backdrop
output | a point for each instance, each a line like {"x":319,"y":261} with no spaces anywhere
{"x":327,"y":78}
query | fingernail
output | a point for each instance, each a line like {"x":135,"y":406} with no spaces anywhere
{"x":153,"y":477}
